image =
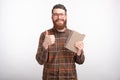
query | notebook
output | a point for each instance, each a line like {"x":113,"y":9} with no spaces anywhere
{"x":72,"y":39}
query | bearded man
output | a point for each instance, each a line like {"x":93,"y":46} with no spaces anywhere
{"x":58,"y":61}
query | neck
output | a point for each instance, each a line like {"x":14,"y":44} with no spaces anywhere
{"x":62,"y":30}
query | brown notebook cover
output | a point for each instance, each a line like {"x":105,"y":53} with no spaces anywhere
{"x":72,"y":39}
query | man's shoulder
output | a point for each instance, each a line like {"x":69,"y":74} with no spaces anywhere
{"x":48,"y":30}
{"x":69,"y":29}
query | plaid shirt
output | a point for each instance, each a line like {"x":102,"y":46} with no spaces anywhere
{"x":59,"y":62}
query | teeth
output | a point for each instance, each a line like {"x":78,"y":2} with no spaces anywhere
{"x":59,"y":20}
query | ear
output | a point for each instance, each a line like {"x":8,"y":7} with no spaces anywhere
{"x":51,"y":16}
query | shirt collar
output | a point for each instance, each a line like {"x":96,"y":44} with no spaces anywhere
{"x":60,"y":31}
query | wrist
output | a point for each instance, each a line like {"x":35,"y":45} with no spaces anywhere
{"x":79,"y":52}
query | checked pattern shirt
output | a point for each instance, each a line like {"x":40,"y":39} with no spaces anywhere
{"x":59,"y":62}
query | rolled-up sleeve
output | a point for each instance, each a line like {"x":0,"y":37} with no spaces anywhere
{"x":42,"y":53}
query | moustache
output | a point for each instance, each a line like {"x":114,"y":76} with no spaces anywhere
{"x":59,"y":19}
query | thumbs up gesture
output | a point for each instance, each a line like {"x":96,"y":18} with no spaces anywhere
{"x":49,"y":40}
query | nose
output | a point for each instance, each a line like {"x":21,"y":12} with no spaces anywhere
{"x":59,"y":17}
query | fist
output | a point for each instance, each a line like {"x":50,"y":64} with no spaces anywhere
{"x":49,"y":40}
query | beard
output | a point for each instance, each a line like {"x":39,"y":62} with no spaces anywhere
{"x":59,"y":24}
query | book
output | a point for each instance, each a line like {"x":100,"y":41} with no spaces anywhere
{"x":72,"y":39}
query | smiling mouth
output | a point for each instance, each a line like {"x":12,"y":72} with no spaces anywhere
{"x":59,"y":20}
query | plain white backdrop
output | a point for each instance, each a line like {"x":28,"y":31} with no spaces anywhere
{"x":22,"y":21}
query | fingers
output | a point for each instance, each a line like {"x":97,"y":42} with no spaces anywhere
{"x":79,"y":45}
{"x":49,"y":38}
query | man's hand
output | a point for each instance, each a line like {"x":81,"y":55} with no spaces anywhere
{"x":79,"y":45}
{"x":49,"y":40}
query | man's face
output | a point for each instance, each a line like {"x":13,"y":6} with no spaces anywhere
{"x":59,"y":18}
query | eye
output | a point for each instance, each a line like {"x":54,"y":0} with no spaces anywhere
{"x":58,"y":14}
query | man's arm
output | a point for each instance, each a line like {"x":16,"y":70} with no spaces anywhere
{"x":79,"y":58}
{"x":42,"y":53}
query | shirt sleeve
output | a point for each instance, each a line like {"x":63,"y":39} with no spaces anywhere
{"x":42,"y":53}
{"x":80,"y":59}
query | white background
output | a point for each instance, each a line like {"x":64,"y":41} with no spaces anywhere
{"x":22,"y":21}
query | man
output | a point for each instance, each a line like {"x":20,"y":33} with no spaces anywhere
{"x":59,"y":62}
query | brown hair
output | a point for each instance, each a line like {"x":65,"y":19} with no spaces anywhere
{"x":59,"y":6}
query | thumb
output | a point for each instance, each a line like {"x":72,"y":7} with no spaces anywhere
{"x":46,"y":32}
